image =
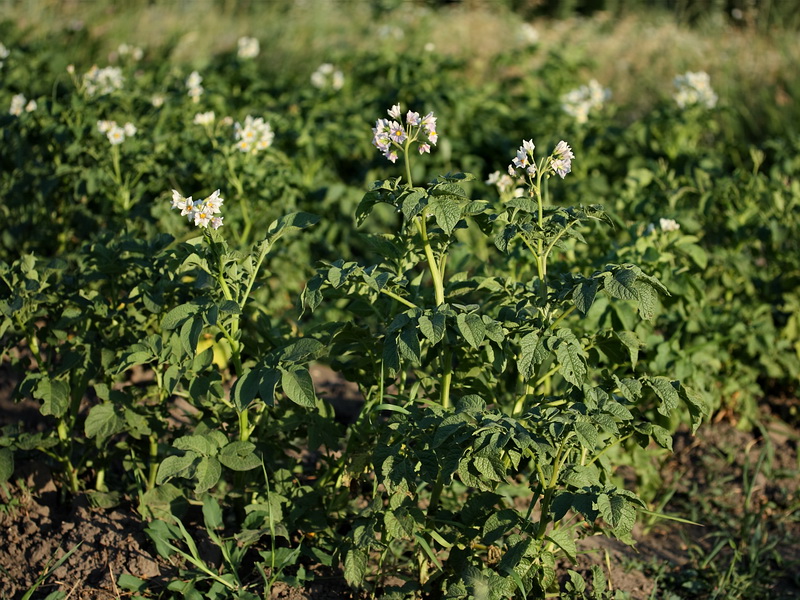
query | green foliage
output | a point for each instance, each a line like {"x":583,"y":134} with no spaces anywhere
{"x":514,"y":345}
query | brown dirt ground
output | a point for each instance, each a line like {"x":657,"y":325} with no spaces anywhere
{"x":38,"y":525}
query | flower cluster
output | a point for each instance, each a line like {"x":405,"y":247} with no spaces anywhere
{"x":193,"y":82}
{"x":102,"y":81}
{"x":528,"y":35}
{"x":254,"y":135}
{"x":558,"y":163}
{"x":125,"y":50}
{"x":206,"y":118}
{"x":116,"y":134}
{"x":3,"y":54}
{"x":694,"y":88}
{"x":389,"y":134}
{"x":200,"y":212}
{"x":327,"y":76}
{"x":19,"y":104}
{"x":248,"y":47}
{"x":665,"y":225}
{"x":506,"y":185}
{"x":579,"y":102}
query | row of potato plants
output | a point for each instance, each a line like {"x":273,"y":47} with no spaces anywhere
{"x":519,"y":322}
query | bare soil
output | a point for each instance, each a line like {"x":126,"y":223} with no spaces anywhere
{"x":38,"y":525}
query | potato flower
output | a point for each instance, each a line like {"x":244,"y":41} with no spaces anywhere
{"x":248,"y":47}
{"x":694,"y":89}
{"x":98,"y":82}
{"x":202,"y":213}
{"x":389,"y":135}
{"x":256,"y":134}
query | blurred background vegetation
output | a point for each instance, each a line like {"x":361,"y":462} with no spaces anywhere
{"x":749,"y":48}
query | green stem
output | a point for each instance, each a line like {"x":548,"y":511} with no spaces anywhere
{"x":153,"y":460}
{"x":558,"y":462}
{"x":447,"y":375}
{"x":400,"y":299}
{"x":566,"y":313}
{"x":100,"y":480}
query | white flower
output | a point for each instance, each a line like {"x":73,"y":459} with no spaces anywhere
{"x":528,"y":34}
{"x":206,"y":118}
{"x":31,"y":106}
{"x":130,"y":129}
{"x":669,"y":224}
{"x":202,"y":212}
{"x":17,"y":105}
{"x":105,"y":126}
{"x":134,"y":52}
{"x":248,"y":47}
{"x":254,"y":135}
{"x":327,"y":75}
{"x":102,"y":81}
{"x":694,"y":89}
{"x":578,"y":103}
{"x":561,"y":160}
{"x":116,"y":135}
{"x":157,"y":100}
{"x":195,"y":89}
{"x":194,"y":80}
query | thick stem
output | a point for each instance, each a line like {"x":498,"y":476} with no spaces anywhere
{"x":447,"y":375}
{"x":153,"y":462}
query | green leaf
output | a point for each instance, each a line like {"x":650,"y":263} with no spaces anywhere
{"x":399,"y":524}
{"x":696,"y":253}
{"x":174,"y":466}
{"x":302,"y":349}
{"x":564,"y":539}
{"x":498,"y":524}
{"x":102,"y":422}
{"x":199,"y":444}
{"x":6,"y":464}
{"x":239,"y":456}
{"x":472,"y":328}
{"x":631,"y":342}
{"x":54,"y":395}
{"x":212,"y":513}
{"x":587,"y":435}
{"x":433,"y":328}
{"x":178,"y":315}
{"x":648,"y":300}
{"x":630,"y":389}
{"x":268,"y":383}
{"x":489,"y":467}
{"x":617,"y":512}
{"x":298,"y":386}
{"x":408,"y":344}
{"x":584,"y":294}
{"x":532,"y":353}
{"x":620,"y":284}
{"x":666,"y":392}
{"x":190,"y":334}
{"x":413,"y":203}
{"x":446,"y":211}
{"x":391,"y":356}
{"x":208,"y":473}
{"x":355,"y":567}
{"x":245,"y":389}
{"x":570,"y":358}
{"x":290,"y":222}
